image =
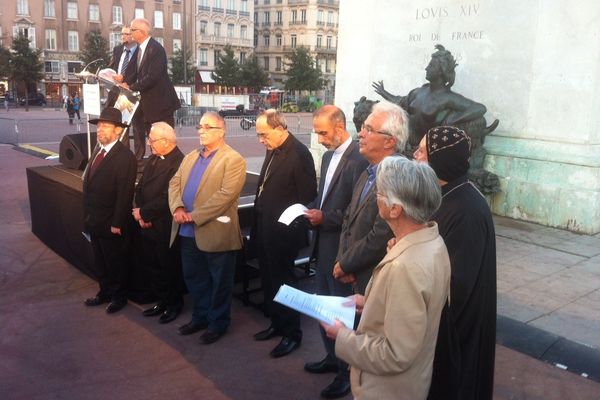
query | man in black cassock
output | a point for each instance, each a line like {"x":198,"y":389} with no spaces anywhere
{"x":465,"y":351}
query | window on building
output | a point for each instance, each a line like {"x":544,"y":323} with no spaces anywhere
{"x":158,"y":19}
{"x":203,"y":57}
{"x":293,"y":40}
{"x":217,"y":29}
{"x":255,"y":38}
{"x":49,"y":9}
{"x":320,"y":20}
{"x":279,"y":40}
{"x":266,"y":63}
{"x":217,"y":56}
{"x":242,"y":57}
{"x":330,"y":17}
{"x":28,"y":32}
{"x":177,"y":21}
{"x":117,"y":13}
{"x":160,"y":40}
{"x":203,"y":25}
{"x":22,"y":7}
{"x":50,"y":39}
{"x":277,"y":63}
{"x":319,"y":40}
{"x":217,"y":5}
{"x":176,"y":44}
{"x":73,"y":40}
{"x":73,"y":67}
{"x":329,"y":42}
{"x":267,"y":40}
{"x":114,"y":39}
{"x":279,"y":18}
{"x":256,"y":17}
{"x":267,"y":17}
{"x":52,"y":67}
{"x":243,"y":31}
{"x":95,"y":12}
{"x":139,"y":13}
{"x":231,"y":4}
{"x":230,"y":30}
{"x":244,"y":5}
{"x":303,"y":16}
{"x":327,"y":65}
{"x":71,"y":10}
{"x":294,"y":16}
{"x":203,"y":4}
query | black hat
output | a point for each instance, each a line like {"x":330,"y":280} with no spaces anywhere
{"x":112,"y":115}
{"x":448,"y":152}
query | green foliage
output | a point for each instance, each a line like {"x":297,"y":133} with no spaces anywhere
{"x":302,"y":74}
{"x":252,"y":75}
{"x":177,"y":67}
{"x":26,"y":65}
{"x":5,"y":57}
{"x":227,"y":70}
{"x":95,"y":46}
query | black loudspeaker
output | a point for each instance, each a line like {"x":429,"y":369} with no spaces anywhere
{"x":73,"y":150}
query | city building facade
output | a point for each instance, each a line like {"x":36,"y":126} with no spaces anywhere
{"x":283,"y":25}
{"x":58,"y":28}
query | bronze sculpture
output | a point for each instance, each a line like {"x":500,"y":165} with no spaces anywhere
{"x":362,"y":109}
{"x":435,"y":104}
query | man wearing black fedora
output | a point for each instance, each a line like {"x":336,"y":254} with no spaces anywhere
{"x":108,"y":186}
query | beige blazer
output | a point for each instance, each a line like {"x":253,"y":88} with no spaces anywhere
{"x":218,"y":195}
{"x":391,"y":352}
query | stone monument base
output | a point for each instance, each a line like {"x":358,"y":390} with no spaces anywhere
{"x":547,"y":182}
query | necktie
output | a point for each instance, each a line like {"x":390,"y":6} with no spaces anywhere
{"x":370,"y":180}
{"x":97,"y":162}
{"x":125,"y":61}
{"x":139,"y":57}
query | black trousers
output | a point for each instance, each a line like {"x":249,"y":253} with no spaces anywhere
{"x":111,"y":258}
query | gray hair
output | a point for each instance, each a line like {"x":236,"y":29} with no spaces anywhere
{"x":216,"y":116}
{"x":164,"y":130}
{"x":144,"y":23}
{"x":396,"y":123}
{"x":412,"y":185}
{"x":274,"y":118}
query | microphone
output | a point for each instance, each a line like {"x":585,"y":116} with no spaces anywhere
{"x":84,"y":74}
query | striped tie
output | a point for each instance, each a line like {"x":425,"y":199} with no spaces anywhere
{"x":125,"y":61}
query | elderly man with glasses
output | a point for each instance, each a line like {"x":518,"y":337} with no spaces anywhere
{"x":203,"y":198}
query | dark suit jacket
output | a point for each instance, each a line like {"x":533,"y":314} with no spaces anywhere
{"x":152,"y":194}
{"x":159,"y":99}
{"x":291,"y":179}
{"x":337,"y":199}
{"x":364,"y":237}
{"x":130,"y":75}
{"x":108,"y":194}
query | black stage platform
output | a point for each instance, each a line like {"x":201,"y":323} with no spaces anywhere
{"x":56,"y":201}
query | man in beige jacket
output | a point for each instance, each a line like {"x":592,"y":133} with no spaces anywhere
{"x":203,"y":198}
{"x":391,"y":352}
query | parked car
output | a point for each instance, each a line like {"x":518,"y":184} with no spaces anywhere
{"x":36,"y":99}
{"x":248,"y":119}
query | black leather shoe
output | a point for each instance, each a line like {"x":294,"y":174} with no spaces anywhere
{"x":116,"y":305}
{"x":336,"y":389}
{"x":267,"y":334}
{"x":191,"y":327}
{"x":285,"y":347}
{"x":209,"y":337}
{"x":153,"y":311}
{"x":96,"y":301}
{"x":321,"y":367}
{"x":169,"y":315}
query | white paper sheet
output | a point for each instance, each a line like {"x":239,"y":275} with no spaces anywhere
{"x":323,"y":308}
{"x":291,"y":213}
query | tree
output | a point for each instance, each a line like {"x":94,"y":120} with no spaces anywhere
{"x":95,"y":46}
{"x":5,"y":57}
{"x":252,"y":75}
{"x":177,"y":65}
{"x":302,"y":74}
{"x":25,"y":65}
{"x":227,"y":70}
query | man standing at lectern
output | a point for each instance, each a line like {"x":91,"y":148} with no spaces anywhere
{"x":108,"y":187}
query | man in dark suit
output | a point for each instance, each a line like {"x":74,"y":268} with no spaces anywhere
{"x":287,"y":177}
{"x":154,"y":217}
{"x":159,"y":100}
{"x":108,"y":187}
{"x":341,"y":167}
{"x":365,"y":234}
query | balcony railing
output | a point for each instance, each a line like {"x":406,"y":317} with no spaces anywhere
{"x":293,"y":2}
{"x":297,"y":22}
{"x":212,"y":39}
{"x":231,"y":12}
{"x":334,"y":3}
{"x":203,"y":8}
{"x":244,"y":13}
{"x":325,"y":50}
{"x":320,"y":23}
{"x":218,"y":10}
{"x":267,"y":23}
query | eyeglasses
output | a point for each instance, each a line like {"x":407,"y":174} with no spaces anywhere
{"x":261,"y":135}
{"x":152,"y":141}
{"x":135,"y":29}
{"x":371,"y":131}
{"x":207,"y":127}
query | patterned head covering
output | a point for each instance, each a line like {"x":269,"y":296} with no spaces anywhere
{"x":448,"y":152}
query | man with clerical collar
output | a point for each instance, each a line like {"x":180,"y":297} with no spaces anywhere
{"x":287,"y":177}
{"x":108,"y":187}
{"x":203,"y":198}
{"x":152,"y":213}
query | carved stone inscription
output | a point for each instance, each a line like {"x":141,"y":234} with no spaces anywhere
{"x":438,"y":13}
